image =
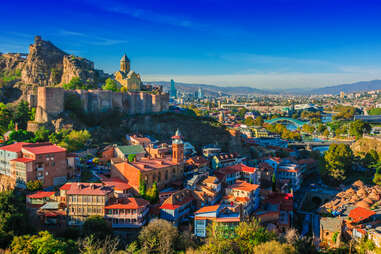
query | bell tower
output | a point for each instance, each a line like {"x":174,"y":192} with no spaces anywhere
{"x":125,"y":64}
{"x":177,"y":148}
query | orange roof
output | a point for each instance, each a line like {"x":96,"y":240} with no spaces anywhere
{"x":208,"y":209}
{"x":359,"y":214}
{"x":116,"y":183}
{"x":41,"y":194}
{"x":16,"y":147}
{"x":237,"y":168}
{"x":43,"y":148}
{"x":129,"y":203}
{"x":23,"y":160}
{"x":66,"y":186}
{"x":244,"y":186}
{"x":88,"y":189}
{"x":177,"y":200}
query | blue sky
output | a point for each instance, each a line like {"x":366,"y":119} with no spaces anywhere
{"x":263,"y":44}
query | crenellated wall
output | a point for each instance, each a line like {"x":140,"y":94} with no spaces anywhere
{"x":50,"y":102}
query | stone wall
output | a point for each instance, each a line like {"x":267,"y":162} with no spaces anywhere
{"x":94,"y":101}
{"x":50,"y":102}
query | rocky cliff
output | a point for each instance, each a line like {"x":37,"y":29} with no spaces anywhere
{"x":47,"y":65}
{"x":43,"y":65}
{"x":80,"y":67}
{"x":12,"y":61}
{"x":365,"y":144}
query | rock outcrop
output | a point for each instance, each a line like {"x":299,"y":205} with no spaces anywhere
{"x":44,"y":64}
{"x":365,"y":144}
{"x":81,"y":67}
{"x":12,"y":61}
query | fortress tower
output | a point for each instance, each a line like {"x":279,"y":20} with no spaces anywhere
{"x":50,"y":103}
{"x":125,"y":64}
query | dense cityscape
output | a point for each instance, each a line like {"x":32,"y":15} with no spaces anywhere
{"x":98,"y":162}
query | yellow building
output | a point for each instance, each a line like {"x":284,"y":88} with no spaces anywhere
{"x":260,"y":132}
{"x":126,"y":77}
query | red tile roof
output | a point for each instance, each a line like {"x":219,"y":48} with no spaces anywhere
{"x":237,"y":168}
{"x":16,"y":147}
{"x":244,"y":186}
{"x":116,"y":183}
{"x":177,"y":200}
{"x":66,"y":186}
{"x":129,"y":203}
{"x":41,"y":194}
{"x":88,"y":189}
{"x":43,"y":148}
{"x":359,"y":214}
{"x":208,"y":209}
{"x":23,"y":160}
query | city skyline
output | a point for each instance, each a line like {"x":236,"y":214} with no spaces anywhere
{"x":272,"y":44}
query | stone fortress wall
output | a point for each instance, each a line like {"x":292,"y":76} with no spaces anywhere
{"x":51,"y":100}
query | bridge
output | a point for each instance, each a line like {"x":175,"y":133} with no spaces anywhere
{"x":310,"y":144}
{"x":296,"y":122}
{"x":369,"y":119}
{"x":243,"y":105}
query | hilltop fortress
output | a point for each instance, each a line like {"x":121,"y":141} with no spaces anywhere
{"x":51,"y":101}
{"x":136,"y":98}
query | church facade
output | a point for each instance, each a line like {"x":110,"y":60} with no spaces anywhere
{"x":126,"y":77}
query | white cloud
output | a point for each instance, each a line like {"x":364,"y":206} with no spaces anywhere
{"x":92,"y":39}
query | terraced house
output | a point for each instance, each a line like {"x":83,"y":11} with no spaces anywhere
{"x":87,"y":199}
{"x":24,"y":162}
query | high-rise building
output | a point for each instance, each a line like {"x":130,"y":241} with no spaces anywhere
{"x":199,"y":94}
{"x":173,"y":91}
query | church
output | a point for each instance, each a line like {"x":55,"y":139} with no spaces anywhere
{"x":126,"y":77}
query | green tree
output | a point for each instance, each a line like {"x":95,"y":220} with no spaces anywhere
{"x":249,"y":121}
{"x":273,"y":181}
{"x":43,"y":243}
{"x":370,"y":158}
{"x":76,"y":140}
{"x":321,"y":128}
{"x":377,"y":175}
{"x":42,"y":134}
{"x":259,"y":121}
{"x":22,"y":114}
{"x":374,"y":111}
{"x":34,"y":185}
{"x":153,"y":194}
{"x":111,"y":85}
{"x":250,"y":234}
{"x":326,"y":133}
{"x":5,"y":118}
{"x":97,"y":226}
{"x":359,"y":127}
{"x":142,"y":186}
{"x":159,"y":236}
{"x":13,"y":214}
{"x":21,"y":136}
{"x":338,"y":159}
{"x":274,"y":247}
{"x":241,"y":113}
{"x":131,"y":157}
{"x":75,"y":83}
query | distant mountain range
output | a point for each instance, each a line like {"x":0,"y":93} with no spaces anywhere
{"x":212,"y":90}
{"x":361,"y":86}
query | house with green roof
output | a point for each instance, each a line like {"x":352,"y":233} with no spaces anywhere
{"x":123,"y":152}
